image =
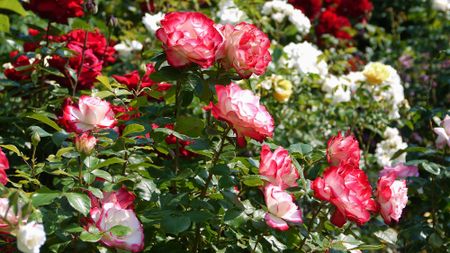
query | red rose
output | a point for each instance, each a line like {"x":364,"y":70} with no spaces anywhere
{"x":189,"y":37}
{"x":332,"y":23}
{"x":311,"y":8}
{"x":57,"y":10}
{"x":19,"y":61}
{"x":4,"y":165}
{"x":354,"y":9}
{"x":131,"y":80}
{"x":171,"y":139}
{"x":349,"y":190}
{"x":343,"y":149}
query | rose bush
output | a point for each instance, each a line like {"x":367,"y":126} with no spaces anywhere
{"x":218,"y":126}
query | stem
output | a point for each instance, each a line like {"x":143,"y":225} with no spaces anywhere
{"x":177,"y":143}
{"x":310,"y":224}
{"x":80,"y":171}
{"x":47,"y":33}
{"x":214,"y":160}
{"x":81,"y":63}
{"x":256,"y":243}
{"x":33,"y":162}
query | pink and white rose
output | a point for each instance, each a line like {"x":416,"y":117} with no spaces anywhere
{"x":278,"y":167}
{"x":246,"y":49}
{"x":443,"y":133}
{"x":189,"y":37}
{"x":400,"y":170}
{"x":392,"y":196}
{"x":85,"y":143}
{"x":281,"y":208}
{"x":242,"y":110}
{"x":91,"y":113}
{"x":343,"y":149}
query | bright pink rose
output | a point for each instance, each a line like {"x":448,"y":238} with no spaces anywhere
{"x":281,"y":208}
{"x":4,"y":165}
{"x":57,"y":10}
{"x":443,"y":133}
{"x":242,"y":110}
{"x":85,"y":143}
{"x":349,"y":190}
{"x":400,"y":170}
{"x":246,"y":49}
{"x":116,"y":208}
{"x":343,"y":149}
{"x":278,"y":167}
{"x":90,"y":113}
{"x":392,"y":196}
{"x":189,"y":37}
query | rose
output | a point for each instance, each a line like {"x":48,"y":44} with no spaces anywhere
{"x":282,"y":90}
{"x":246,"y":49}
{"x":392,"y":196}
{"x":401,"y":170}
{"x":349,"y":190}
{"x":116,"y":208}
{"x":311,"y":8}
{"x":443,"y":133}
{"x":9,"y":217}
{"x":19,"y":61}
{"x":30,"y":237}
{"x":85,"y":143}
{"x":4,"y":165}
{"x":343,"y":149}
{"x":132,"y":79}
{"x":355,"y":9}
{"x":90,"y":113}
{"x":332,"y":23}
{"x":278,"y":167}
{"x":376,"y":72}
{"x":281,"y":208}
{"x":242,"y":110}
{"x":57,"y":10}
{"x":189,"y":37}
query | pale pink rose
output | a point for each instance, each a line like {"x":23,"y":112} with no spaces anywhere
{"x":4,"y":165}
{"x":348,"y":189}
{"x":242,"y":110}
{"x":281,"y":208}
{"x":189,"y":37}
{"x":116,"y":208}
{"x":8,"y":213}
{"x":278,"y":167}
{"x":443,"y":133}
{"x":343,"y":149}
{"x":246,"y":49}
{"x":401,"y":170}
{"x":85,"y":143}
{"x":392,"y":196}
{"x":90,"y":113}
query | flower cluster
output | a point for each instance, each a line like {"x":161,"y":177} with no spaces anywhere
{"x":57,"y":10}
{"x":304,"y":58}
{"x":229,"y":13}
{"x":389,"y":146}
{"x":279,"y":10}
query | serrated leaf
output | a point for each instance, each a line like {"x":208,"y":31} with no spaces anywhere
{"x":44,"y":197}
{"x":79,"y":202}
{"x":109,"y":162}
{"x":102,"y":174}
{"x":15,"y":150}
{"x":4,"y":23}
{"x":120,"y":230}
{"x":300,"y":148}
{"x":132,"y":129}
{"x":253,"y":180}
{"x":192,"y":126}
{"x":175,"y":224}
{"x":44,"y":119}
{"x":90,"y":237}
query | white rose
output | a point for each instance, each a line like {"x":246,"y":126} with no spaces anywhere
{"x":152,"y":22}
{"x":30,"y":237}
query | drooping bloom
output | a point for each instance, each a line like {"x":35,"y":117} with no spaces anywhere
{"x":343,"y":149}
{"x":116,"y":208}
{"x":90,"y":113}
{"x":189,"y":37}
{"x":392,"y":196}
{"x":349,"y":190}
{"x":400,"y":170}
{"x":281,"y":208}
{"x":57,"y":10}
{"x":278,"y":167}
{"x":443,"y":133}
{"x":4,"y":165}
{"x":85,"y":143}
{"x":246,"y":49}
{"x":30,"y":237}
{"x":242,"y":110}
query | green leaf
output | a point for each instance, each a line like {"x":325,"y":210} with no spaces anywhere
{"x":79,"y":202}
{"x":44,"y":197}
{"x":253,"y":180}
{"x":4,"y":23}
{"x":105,"y":81}
{"x":15,"y":150}
{"x":132,"y":129}
{"x":192,"y":126}
{"x":170,"y":131}
{"x":13,"y":5}
{"x":300,"y":148}
{"x":146,"y":188}
{"x":90,"y":237}
{"x":108,"y":162}
{"x":166,"y":74}
{"x":431,"y":167}
{"x":44,"y":119}
{"x":175,"y":224}
{"x":410,"y":150}
{"x":120,"y":230}
{"x":102,"y":174}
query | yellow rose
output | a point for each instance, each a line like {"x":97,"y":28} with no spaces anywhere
{"x":376,"y":72}
{"x":283,"y":90}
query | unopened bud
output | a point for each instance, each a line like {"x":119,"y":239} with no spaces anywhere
{"x":85,"y":143}
{"x":35,"y":139}
{"x":91,"y":6}
{"x":113,"y":21}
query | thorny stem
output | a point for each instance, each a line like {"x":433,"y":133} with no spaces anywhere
{"x":310,"y":224}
